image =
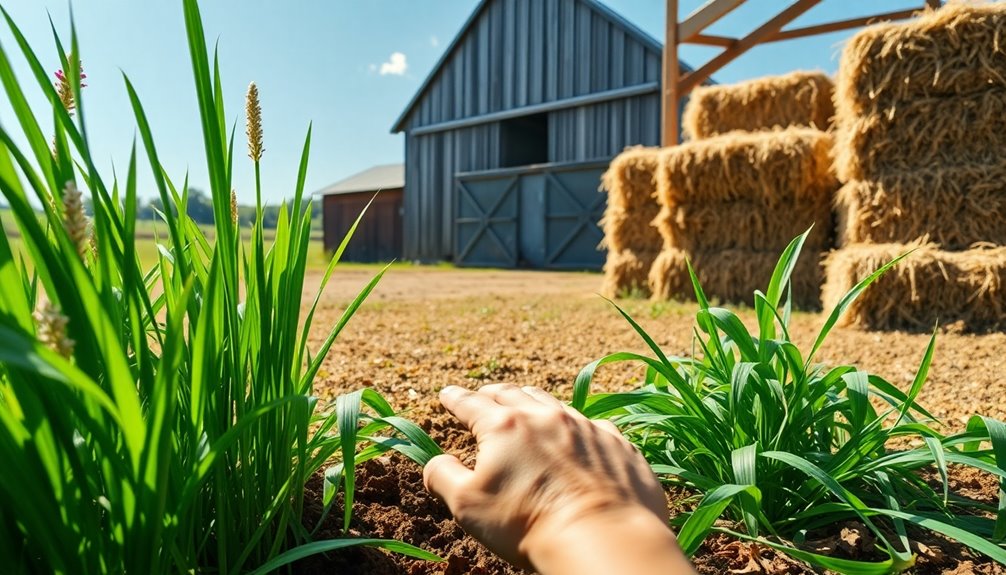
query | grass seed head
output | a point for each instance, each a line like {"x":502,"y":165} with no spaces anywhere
{"x":253,"y":111}
{"x":50,"y":328}
{"x":234,"y":207}
{"x":64,"y":88}
{"x":74,"y":219}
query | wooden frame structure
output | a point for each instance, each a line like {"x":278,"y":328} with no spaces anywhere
{"x":690,"y":31}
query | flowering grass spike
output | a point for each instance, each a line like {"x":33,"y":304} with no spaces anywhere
{"x":50,"y":328}
{"x":74,"y":219}
{"x":253,"y":129}
{"x":65,"y":89}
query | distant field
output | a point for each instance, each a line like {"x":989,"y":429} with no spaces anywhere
{"x":149,"y":233}
{"x":157,"y":228}
{"x":146,"y":249}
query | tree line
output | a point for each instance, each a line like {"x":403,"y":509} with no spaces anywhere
{"x":200,"y":209}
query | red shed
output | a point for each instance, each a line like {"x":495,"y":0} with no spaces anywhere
{"x":379,"y":236}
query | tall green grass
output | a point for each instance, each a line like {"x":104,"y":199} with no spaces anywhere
{"x":161,"y":419}
{"x":785,"y":447}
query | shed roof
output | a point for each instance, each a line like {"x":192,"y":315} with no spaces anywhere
{"x":628,"y":27}
{"x":383,"y":177}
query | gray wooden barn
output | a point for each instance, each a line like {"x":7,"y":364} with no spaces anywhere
{"x":507,"y":138}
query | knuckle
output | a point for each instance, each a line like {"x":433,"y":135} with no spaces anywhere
{"x":559,"y":418}
{"x":501,"y":420}
{"x":508,"y":420}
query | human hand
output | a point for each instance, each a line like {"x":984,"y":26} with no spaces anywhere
{"x":548,"y":482}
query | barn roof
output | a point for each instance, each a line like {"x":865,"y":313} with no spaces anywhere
{"x":629,"y":28}
{"x":383,"y":177}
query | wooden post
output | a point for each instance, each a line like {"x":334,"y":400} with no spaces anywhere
{"x":669,"y":81}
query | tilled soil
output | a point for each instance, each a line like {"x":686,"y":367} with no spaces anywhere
{"x":425,"y":328}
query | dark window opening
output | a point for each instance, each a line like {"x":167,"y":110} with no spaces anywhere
{"x":524,"y":141}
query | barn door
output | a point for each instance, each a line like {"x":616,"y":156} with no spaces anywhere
{"x":485,"y":232}
{"x":573,"y":207}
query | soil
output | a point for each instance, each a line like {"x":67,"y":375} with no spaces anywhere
{"x":425,"y":328}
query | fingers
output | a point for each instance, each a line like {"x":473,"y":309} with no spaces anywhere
{"x":509,"y":395}
{"x":550,"y":400}
{"x":541,"y":396}
{"x":466,"y":405}
{"x":445,"y":476}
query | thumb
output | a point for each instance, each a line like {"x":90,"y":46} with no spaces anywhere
{"x":444,"y":476}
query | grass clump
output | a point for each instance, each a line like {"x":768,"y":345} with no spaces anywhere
{"x":161,"y":419}
{"x":783,"y":447}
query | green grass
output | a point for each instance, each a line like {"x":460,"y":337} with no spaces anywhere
{"x":156,"y":402}
{"x":784,"y":447}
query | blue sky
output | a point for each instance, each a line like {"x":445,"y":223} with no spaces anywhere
{"x":332,"y":62}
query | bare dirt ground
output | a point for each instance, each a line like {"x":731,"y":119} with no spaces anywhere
{"x":424,"y":328}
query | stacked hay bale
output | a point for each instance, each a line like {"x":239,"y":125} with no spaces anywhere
{"x":756,"y":174}
{"x":631,"y":241}
{"x":795,"y":99}
{"x":921,"y":145}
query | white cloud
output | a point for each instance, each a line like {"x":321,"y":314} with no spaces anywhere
{"x":434,"y":41}
{"x":395,"y":65}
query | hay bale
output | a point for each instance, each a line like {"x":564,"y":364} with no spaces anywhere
{"x":732,"y":276}
{"x":922,"y":133}
{"x":966,"y":288}
{"x":626,"y":273}
{"x":631,"y":229}
{"x":745,"y":224}
{"x":631,"y":178}
{"x":955,"y":50}
{"x":775,"y":169}
{"x":952,"y":207}
{"x":795,"y":99}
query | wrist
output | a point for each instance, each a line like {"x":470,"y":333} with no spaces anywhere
{"x":622,"y":540}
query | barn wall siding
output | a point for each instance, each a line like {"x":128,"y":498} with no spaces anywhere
{"x":431,"y":162}
{"x":603,"y":130}
{"x":526,"y":52}
{"x":379,"y":235}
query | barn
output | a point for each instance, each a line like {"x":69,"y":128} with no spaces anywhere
{"x":378,"y":238}
{"x":507,"y":137}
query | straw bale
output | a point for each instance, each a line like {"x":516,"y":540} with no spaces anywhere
{"x":626,"y":273}
{"x":745,"y":224}
{"x":958,"y":49}
{"x":631,"y":229}
{"x":954,"y":207}
{"x":796,"y":99}
{"x":922,"y":133}
{"x":776,"y":168}
{"x":631,"y":178}
{"x":966,"y":288}
{"x":732,"y":276}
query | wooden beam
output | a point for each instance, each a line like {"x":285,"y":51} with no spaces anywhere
{"x":703,"y":17}
{"x":564,"y":104}
{"x":711,"y":40}
{"x":766,"y":30}
{"x":669,"y":126}
{"x":840,"y":25}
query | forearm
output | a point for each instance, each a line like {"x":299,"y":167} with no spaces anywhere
{"x":633,"y":542}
